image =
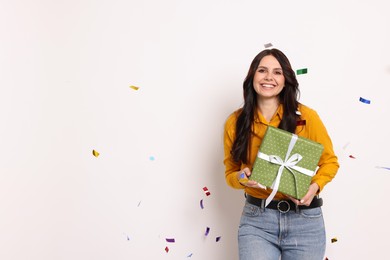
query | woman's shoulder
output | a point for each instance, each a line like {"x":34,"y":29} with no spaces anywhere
{"x":232,"y":119}
{"x":306,"y":111}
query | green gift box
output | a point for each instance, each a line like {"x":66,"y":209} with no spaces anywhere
{"x":286,"y":162}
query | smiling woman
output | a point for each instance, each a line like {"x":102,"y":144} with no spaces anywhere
{"x":271,"y":99}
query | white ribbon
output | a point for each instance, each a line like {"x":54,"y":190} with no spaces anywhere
{"x":289,"y":163}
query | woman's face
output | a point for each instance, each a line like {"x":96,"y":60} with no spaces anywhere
{"x":269,"y":80}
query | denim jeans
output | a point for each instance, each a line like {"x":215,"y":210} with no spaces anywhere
{"x":267,"y":234}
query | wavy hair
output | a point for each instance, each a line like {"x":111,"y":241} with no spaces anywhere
{"x":288,"y":97}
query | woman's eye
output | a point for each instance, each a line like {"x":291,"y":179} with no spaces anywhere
{"x":278,"y":73}
{"x":261,"y":70}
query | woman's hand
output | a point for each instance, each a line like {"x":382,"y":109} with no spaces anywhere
{"x":306,"y":200}
{"x":242,"y":177}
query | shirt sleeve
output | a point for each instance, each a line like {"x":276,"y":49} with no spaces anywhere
{"x":328,"y":163}
{"x":231,"y":167}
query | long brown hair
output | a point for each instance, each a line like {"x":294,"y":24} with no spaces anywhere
{"x":288,"y":97}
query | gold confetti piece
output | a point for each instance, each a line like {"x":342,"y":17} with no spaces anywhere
{"x":134,"y":87}
{"x":95,"y":153}
{"x":334,"y":240}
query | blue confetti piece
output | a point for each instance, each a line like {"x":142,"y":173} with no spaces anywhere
{"x":151,"y":158}
{"x":363,"y":100}
{"x":190,"y":255}
{"x":242,"y":175}
{"x":385,"y":168}
{"x":207,"y":231}
{"x":217,"y":239}
{"x":170,"y":240}
{"x":201,"y":203}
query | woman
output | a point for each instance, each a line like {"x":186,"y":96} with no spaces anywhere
{"x":287,"y":227}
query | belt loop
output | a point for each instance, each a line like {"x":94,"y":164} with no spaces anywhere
{"x":297,"y":209}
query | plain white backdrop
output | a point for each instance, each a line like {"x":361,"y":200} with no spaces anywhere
{"x":65,"y":72}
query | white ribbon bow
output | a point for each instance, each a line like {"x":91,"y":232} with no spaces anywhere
{"x":289,"y":163}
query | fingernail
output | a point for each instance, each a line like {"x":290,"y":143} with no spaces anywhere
{"x":302,"y":201}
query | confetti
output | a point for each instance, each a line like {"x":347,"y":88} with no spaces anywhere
{"x":217,"y":239}
{"x":302,"y":71}
{"x":380,"y":167}
{"x":346,"y":145}
{"x":95,"y":153}
{"x":206,"y":191}
{"x":363,"y":100}
{"x":201,"y":204}
{"x":190,"y":255}
{"x":170,"y":240}
{"x":352,"y":157}
{"x":207,"y":231}
{"x":128,"y":238}
{"x":139,"y":203}
{"x":301,"y":122}
{"x":134,"y":87}
{"x":267,"y":45}
{"x":151,"y":158}
{"x":333,"y":240}
{"x":166,"y":249}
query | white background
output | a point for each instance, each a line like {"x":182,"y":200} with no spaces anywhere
{"x":65,"y":72}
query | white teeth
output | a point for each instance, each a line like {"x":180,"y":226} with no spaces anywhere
{"x":267,"y":85}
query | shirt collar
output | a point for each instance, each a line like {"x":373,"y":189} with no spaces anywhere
{"x":278,"y":116}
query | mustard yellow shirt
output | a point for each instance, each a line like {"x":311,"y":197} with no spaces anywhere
{"x":314,"y":129}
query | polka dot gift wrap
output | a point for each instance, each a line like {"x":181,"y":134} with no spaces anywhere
{"x":277,"y":143}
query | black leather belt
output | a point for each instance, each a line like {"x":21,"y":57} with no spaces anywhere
{"x":283,"y":206}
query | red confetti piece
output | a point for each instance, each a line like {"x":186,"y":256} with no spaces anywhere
{"x":301,"y":122}
{"x":206,"y":191}
{"x":217,"y":239}
{"x":201,"y":204}
{"x":207,"y":231}
{"x":170,"y":240}
{"x":166,"y":249}
{"x":353,"y":157}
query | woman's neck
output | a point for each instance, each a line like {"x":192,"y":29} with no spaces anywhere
{"x":268,"y":108}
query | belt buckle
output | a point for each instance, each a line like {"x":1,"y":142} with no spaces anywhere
{"x":282,"y":205}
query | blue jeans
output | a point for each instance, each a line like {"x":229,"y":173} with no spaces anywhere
{"x":267,"y":234}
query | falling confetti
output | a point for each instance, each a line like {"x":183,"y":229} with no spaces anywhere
{"x":301,"y":122}
{"x":363,"y":100}
{"x":352,"y":157}
{"x":201,"y":204}
{"x":128,"y":238}
{"x":206,"y":191}
{"x":333,"y":240}
{"x":134,"y":87}
{"x":170,"y":240}
{"x":166,"y":249}
{"x":346,"y":145}
{"x":207,"y":231}
{"x":95,"y":153}
{"x":267,"y":45}
{"x":380,"y":167}
{"x":151,"y":158}
{"x":302,"y":71}
{"x":139,"y":203}
{"x":217,"y":239}
{"x":190,"y":255}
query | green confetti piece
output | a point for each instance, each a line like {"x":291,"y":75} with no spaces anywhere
{"x":302,"y":71}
